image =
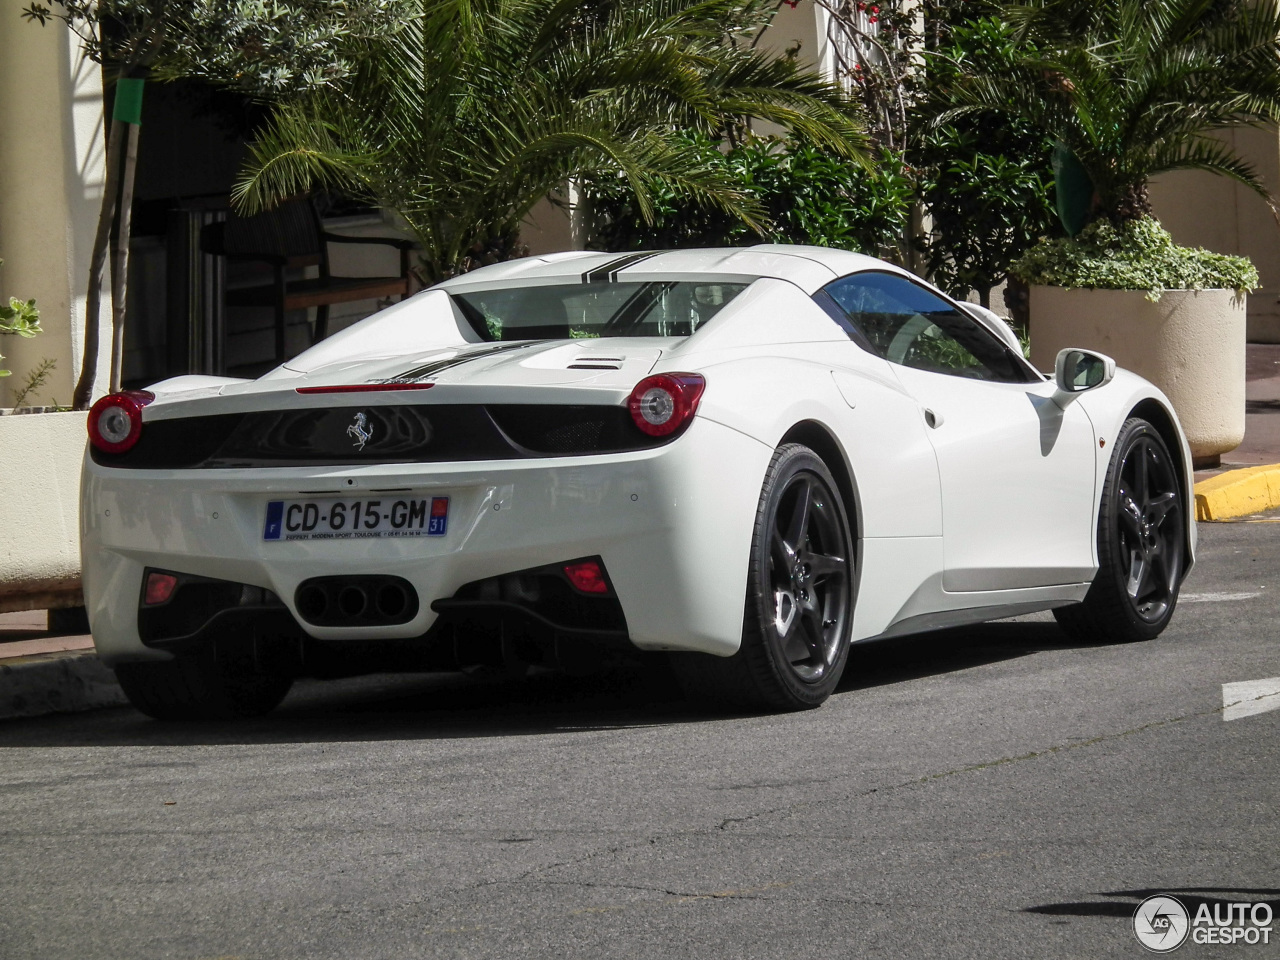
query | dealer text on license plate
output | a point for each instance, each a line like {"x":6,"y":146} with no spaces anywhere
{"x":362,"y":517}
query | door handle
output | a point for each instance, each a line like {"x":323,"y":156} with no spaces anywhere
{"x":932,"y":418}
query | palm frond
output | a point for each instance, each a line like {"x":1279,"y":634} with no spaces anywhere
{"x":1134,"y":87}
{"x":467,"y":117}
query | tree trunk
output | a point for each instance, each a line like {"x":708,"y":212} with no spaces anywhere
{"x":120,"y":269}
{"x":984,"y":297}
{"x":97,"y":262}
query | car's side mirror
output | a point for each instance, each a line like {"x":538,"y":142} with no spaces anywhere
{"x":1077,"y":370}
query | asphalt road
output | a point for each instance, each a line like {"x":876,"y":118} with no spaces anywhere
{"x":992,"y":792}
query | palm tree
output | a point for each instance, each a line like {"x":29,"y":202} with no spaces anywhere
{"x":466,"y":118}
{"x":1135,"y":88}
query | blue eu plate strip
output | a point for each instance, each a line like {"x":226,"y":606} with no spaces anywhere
{"x":275,"y":520}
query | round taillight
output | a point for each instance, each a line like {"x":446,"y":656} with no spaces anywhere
{"x":115,"y":421}
{"x":665,"y":402}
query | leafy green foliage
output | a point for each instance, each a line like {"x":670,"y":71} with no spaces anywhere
{"x":984,"y":177}
{"x":259,"y":47}
{"x":19,"y":318}
{"x":1135,"y":88}
{"x":36,"y":379}
{"x":473,"y":112}
{"x":807,"y":196}
{"x":1136,"y":255}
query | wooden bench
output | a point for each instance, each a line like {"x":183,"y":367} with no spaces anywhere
{"x":288,"y":237}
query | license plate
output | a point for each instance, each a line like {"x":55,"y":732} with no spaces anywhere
{"x":363,"y":517}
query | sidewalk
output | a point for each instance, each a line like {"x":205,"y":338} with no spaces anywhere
{"x":1262,"y":413}
{"x":43,"y":671}
{"x":1247,"y":484}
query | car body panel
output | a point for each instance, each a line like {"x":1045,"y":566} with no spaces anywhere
{"x":1005,"y":451}
{"x":992,"y":512}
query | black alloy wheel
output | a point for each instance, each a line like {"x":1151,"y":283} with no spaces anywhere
{"x":799,"y":605}
{"x":807,"y":576}
{"x":212,"y":683}
{"x":1142,"y":535}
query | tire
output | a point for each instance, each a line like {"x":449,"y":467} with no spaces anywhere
{"x":212,"y":684}
{"x":1142,"y":535}
{"x":799,"y":603}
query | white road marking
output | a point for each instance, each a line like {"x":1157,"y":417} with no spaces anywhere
{"x":1216,"y":597}
{"x":1250,"y":697}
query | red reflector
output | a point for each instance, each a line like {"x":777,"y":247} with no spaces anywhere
{"x":160,"y":587}
{"x":365,"y":387}
{"x":586,"y":577}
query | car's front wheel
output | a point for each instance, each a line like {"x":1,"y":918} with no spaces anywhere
{"x":209,"y":684}
{"x":1142,"y":535}
{"x":799,"y":602}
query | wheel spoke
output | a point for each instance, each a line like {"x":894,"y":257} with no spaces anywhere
{"x":1140,"y":476}
{"x":811,"y":626}
{"x":1160,"y":570}
{"x":1160,"y":506}
{"x":785,"y":613}
{"x":1130,"y":513}
{"x":798,"y":522}
{"x":796,"y":647}
{"x":783,"y":556}
{"x":823,"y":565}
{"x":1137,"y":573}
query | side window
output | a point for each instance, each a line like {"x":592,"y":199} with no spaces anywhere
{"x":904,"y":323}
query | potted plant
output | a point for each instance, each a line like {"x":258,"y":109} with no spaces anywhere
{"x":1174,"y":315}
{"x":1128,"y":90}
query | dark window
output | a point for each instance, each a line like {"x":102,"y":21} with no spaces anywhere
{"x":657,"y":308}
{"x":905,"y":323}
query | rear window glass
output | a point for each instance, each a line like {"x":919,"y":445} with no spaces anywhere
{"x":656,"y":308}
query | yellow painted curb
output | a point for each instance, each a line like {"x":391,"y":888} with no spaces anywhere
{"x":1238,"y":493}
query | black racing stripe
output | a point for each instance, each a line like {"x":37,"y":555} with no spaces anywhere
{"x":437,"y":366}
{"x":608,"y":273}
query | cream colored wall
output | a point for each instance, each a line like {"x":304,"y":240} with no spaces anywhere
{"x":548,"y":229}
{"x":51,"y":175}
{"x":1204,"y":210}
{"x":804,"y":27}
{"x":40,"y":533}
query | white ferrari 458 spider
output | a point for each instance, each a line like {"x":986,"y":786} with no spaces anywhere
{"x":750,"y":458}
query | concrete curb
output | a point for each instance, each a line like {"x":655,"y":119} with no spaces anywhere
{"x":63,"y":682}
{"x":1238,"y":493}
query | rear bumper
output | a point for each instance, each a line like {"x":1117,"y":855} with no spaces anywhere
{"x":672,"y":525}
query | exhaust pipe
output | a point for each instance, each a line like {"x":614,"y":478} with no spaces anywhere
{"x":361,"y":601}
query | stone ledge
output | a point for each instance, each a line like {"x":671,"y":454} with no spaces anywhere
{"x":64,"y":682}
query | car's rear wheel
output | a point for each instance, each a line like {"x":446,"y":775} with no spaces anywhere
{"x":1142,"y":535}
{"x":799,"y":602}
{"x":211,"y":684}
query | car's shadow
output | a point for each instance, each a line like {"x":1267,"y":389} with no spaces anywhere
{"x":435,"y":706}
{"x":1123,"y":903}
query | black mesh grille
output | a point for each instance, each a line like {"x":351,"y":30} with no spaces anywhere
{"x":422,"y":433}
{"x":571,"y":430}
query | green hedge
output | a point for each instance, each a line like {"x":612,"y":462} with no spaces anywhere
{"x":809,"y":197}
{"x":1140,"y":255}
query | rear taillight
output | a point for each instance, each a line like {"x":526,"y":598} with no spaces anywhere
{"x":115,"y":421}
{"x":159,"y":588}
{"x":587,"y":576}
{"x":665,"y":402}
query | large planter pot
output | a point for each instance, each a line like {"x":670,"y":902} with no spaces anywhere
{"x":40,"y":457}
{"x":1189,"y":343}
